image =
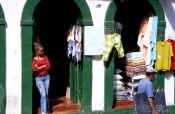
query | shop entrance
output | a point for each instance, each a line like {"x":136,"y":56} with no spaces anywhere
{"x":57,"y":18}
{"x":131,"y":15}
{"x":52,"y":23}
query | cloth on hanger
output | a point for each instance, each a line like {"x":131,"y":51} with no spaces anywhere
{"x":163,"y":56}
{"x":144,"y":38}
{"x":173,"y":49}
{"x":153,"y":41}
{"x":74,"y":49}
{"x":112,"y":40}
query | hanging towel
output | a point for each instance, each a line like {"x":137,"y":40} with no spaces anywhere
{"x":153,"y":41}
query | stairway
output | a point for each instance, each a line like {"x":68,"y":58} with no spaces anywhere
{"x":62,"y":106}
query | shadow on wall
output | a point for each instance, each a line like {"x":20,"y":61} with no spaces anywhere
{"x":52,"y":22}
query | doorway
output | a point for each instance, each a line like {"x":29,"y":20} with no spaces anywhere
{"x":130,"y":14}
{"x":51,"y":26}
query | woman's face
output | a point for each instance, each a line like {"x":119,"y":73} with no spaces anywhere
{"x":40,"y":51}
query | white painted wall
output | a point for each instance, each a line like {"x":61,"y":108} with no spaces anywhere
{"x":169,"y":10}
{"x":13,"y":10}
{"x":98,"y":10}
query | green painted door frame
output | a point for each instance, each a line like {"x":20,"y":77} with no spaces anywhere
{"x":109,"y":71}
{"x":2,"y":63}
{"x":84,"y":74}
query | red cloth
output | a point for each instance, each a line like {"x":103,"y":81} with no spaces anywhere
{"x":37,"y":63}
{"x":173,"y":58}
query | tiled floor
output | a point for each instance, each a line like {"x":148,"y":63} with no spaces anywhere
{"x":62,"y":106}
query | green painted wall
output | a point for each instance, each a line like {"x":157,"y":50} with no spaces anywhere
{"x":2,"y":62}
{"x":83,"y":75}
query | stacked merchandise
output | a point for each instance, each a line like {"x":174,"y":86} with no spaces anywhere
{"x":135,"y":70}
{"x":120,"y":92}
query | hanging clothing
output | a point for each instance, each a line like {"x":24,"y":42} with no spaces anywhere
{"x":153,"y":41}
{"x":112,"y":40}
{"x":144,"y":39}
{"x":173,"y":58}
{"x":74,"y":49}
{"x":163,"y":56}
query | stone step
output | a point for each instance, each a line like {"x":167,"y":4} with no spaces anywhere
{"x":62,"y":106}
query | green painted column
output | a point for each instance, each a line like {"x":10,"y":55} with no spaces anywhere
{"x":2,"y":63}
{"x":159,"y":80}
{"x":87,"y":83}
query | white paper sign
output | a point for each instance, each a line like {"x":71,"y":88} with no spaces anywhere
{"x":93,"y":40}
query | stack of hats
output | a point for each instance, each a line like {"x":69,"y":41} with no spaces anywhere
{"x":120,"y":92}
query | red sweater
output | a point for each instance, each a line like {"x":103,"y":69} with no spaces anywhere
{"x":37,"y":63}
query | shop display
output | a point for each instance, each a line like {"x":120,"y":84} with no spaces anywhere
{"x":74,"y":38}
{"x":164,"y":55}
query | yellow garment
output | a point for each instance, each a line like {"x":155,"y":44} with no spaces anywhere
{"x":110,"y":41}
{"x":163,"y":56}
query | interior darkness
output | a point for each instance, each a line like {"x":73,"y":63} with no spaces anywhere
{"x":130,"y":14}
{"x":52,"y":22}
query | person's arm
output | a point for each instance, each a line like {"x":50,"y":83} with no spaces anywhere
{"x":149,"y":92}
{"x":48,"y":66}
{"x":35,"y":66}
{"x":152,"y":106}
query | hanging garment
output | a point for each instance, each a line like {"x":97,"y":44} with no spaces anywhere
{"x":173,"y":58}
{"x":153,"y":41}
{"x":144,"y":39}
{"x":74,"y":49}
{"x":163,"y":56}
{"x":112,"y":40}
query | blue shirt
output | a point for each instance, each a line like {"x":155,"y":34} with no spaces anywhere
{"x":146,"y":86}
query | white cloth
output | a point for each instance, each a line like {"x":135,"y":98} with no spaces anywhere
{"x":144,"y":41}
{"x":118,"y":77}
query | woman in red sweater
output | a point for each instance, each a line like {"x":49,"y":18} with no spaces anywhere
{"x":41,"y":67}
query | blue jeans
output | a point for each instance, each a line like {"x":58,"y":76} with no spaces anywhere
{"x":42,"y":84}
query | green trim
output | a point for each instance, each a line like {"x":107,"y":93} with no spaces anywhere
{"x":73,"y":82}
{"x":27,"y":69}
{"x":27,"y":32}
{"x":159,"y":80}
{"x":109,"y":73}
{"x":2,"y":63}
{"x":31,"y":4}
{"x":87,"y":83}
{"x":109,"y":24}
{"x":109,"y":18}
{"x":85,"y":11}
